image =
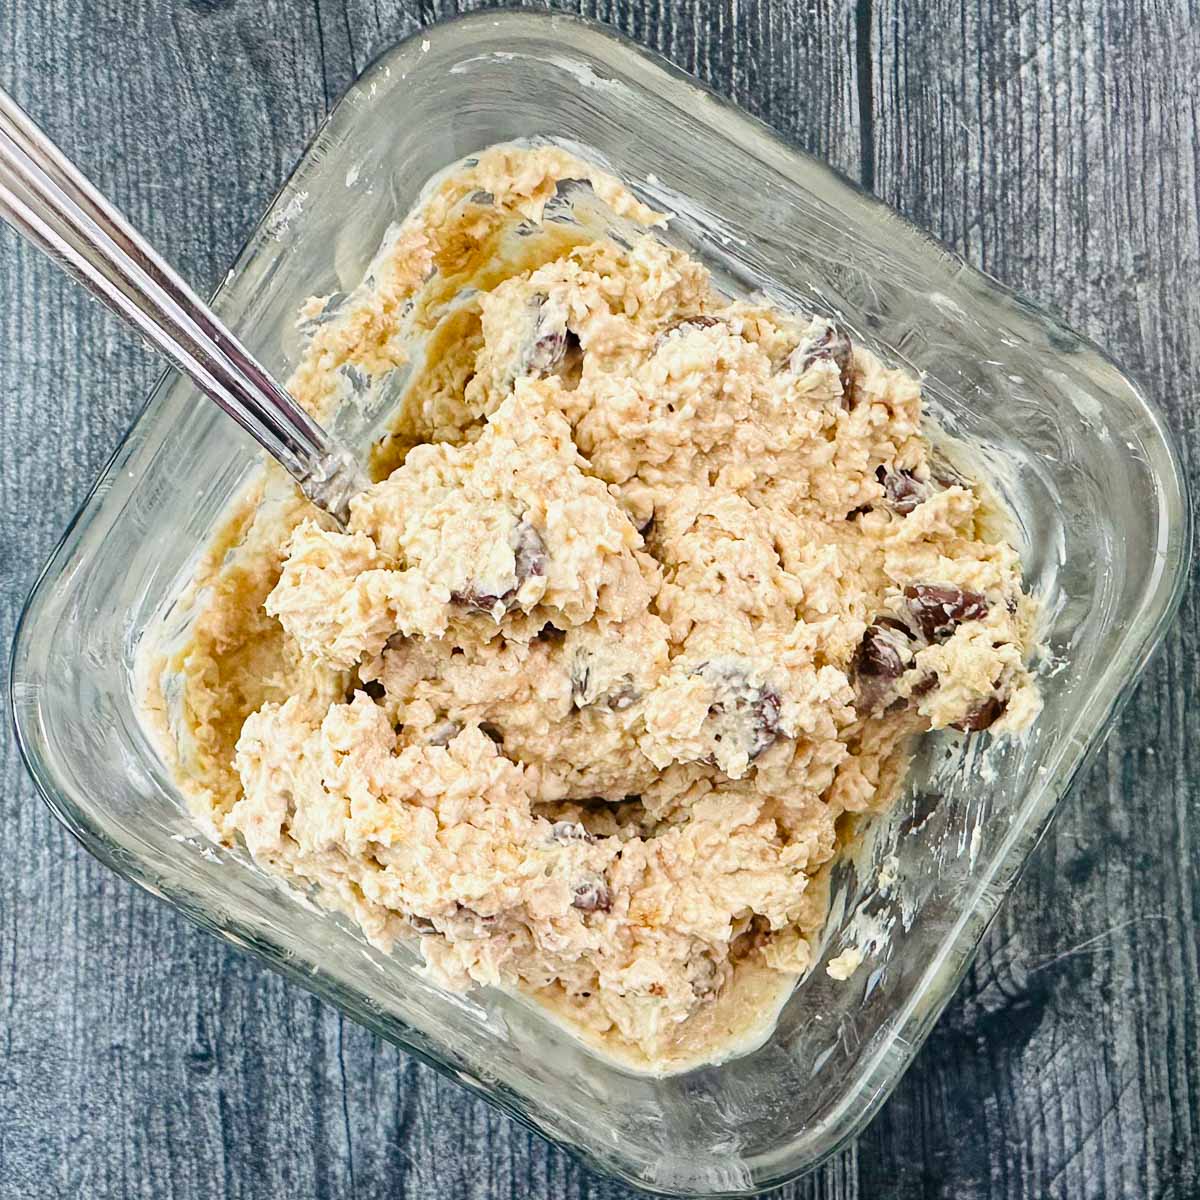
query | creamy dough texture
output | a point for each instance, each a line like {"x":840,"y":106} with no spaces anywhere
{"x":650,"y":598}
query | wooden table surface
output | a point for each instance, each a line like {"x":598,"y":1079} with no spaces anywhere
{"x":1056,"y":144}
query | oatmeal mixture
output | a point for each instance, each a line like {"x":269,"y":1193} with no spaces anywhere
{"x":651,"y":595}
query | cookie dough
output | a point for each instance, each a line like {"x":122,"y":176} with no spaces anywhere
{"x":652,"y":595}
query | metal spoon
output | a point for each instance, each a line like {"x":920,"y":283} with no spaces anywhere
{"x":48,"y":200}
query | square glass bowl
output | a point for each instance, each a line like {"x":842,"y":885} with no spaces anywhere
{"x":1076,"y":450}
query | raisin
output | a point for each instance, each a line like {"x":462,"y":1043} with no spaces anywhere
{"x":592,"y":895}
{"x":981,"y":717}
{"x":826,"y":341}
{"x":902,"y":490}
{"x":939,"y":608}
{"x":570,"y":831}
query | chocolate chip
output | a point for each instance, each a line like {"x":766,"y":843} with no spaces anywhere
{"x":592,"y":895}
{"x":548,"y":350}
{"x":939,"y":608}
{"x":826,"y":341}
{"x":982,"y":716}
{"x":924,"y":686}
{"x":481,"y":602}
{"x":616,"y":698}
{"x":902,"y":490}
{"x":745,"y":713}
{"x":570,"y":831}
{"x":876,"y":665}
{"x":699,"y":321}
{"x":877,"y":656}
{"x":530,"y":560}
{"x":766,"y":710}
{"x":529,"y":554}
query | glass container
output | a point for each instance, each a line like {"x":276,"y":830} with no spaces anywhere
{"x":1074,"y":447}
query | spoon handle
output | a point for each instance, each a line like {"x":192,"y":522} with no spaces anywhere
{"x":48,"y":200}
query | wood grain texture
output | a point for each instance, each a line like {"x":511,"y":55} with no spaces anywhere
{"x":1053,"y":142}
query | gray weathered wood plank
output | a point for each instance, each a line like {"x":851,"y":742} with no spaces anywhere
{"x":1054,"y":145}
